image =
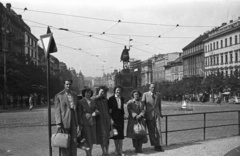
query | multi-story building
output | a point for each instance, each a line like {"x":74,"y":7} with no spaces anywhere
{"x":159,"y":63}
{"x":135,"y":67}
{"x":16,"y":35}
{"x":146,"y":72}
{"x":222,"y":49}
{"x":62,"y":66}
{"x":81,"y":82}
{"x":174,"y":70}
{"x":193,"y":57}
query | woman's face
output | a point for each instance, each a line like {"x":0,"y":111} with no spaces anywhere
{"x":136,"y":96}
{"x":88,"y":94}
{"x":118,"y":91}
{"x":101,"y":93}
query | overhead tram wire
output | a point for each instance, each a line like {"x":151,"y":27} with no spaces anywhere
{"x":106,"y":34}
{"x":79,"y":49}
{"x":111,"y":27}
{"x":65,"y":29}
{"x":107,"y":20}
{"x":163,"y":34}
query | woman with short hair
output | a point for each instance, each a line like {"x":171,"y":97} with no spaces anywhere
{"x":136,"y":110}
{"x":87,"y":112}
{"x":116,"y":109}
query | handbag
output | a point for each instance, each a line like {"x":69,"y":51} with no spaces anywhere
{"x":60,"y":139}
{"x":113,"y":132}
{"x":139,"y":129}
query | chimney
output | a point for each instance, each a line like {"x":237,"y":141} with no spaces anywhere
{"x":230,"y":21}
{"x":8,"y":6}
{"x":224,"y":24}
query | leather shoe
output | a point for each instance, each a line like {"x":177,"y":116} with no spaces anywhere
{"x":159,"y":148}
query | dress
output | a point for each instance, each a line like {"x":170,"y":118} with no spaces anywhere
{"x":117,"y":115}
{"x":85,"y":110}
{"x":102,"y":121}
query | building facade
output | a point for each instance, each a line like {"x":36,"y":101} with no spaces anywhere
{"x":174,"y":70}
{"x":193,"y":57}
{"x":146,"y":72}
{"x":222,"y":49}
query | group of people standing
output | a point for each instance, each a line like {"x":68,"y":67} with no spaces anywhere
{"x":96,"y":117}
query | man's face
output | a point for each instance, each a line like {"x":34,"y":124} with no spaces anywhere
{"x":151,"y":88}
{"x":67,"y":85}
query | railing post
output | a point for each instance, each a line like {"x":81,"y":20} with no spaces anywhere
{"x":238,"y":122}
{"x":166,"y":130}
{"x":204,"y":126}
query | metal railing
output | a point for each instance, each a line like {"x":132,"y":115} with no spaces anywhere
{"x":204,"y":127}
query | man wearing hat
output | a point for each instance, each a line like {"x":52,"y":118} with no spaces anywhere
{"x":153,"y":113}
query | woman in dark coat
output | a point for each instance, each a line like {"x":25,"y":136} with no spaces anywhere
{"x":103,"y":120}
{"x":136,"y":111}
{"x":87,"y":112}
{"x":116,"y":109}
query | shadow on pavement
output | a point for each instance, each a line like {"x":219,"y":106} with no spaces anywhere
{"x":150,"y":150}
{"x":234,"y":152}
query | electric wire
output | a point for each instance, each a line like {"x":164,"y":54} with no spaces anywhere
{"x":108,"y":20}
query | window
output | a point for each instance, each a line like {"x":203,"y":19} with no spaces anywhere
{"x":231,"y":72}
{"x":208,"y":48}
{"x":217,"y":60}
{"x":231,"y":58}
{"x":226,"y":58}
{"x":226,"y":72}
{"x":221,"y":59}
{"x":236,"y":57}
{"x":213,"y":45}
{"x":230,"y":40}
{"x":211,"y":61}
{"x":217,"y":45}
{"x":236,"y":39}
{"x":221,"y":43}
{"x":225,"y":42}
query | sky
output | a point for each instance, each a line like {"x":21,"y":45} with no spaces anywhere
{"x":98,"y":30}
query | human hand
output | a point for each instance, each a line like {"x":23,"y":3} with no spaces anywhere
{"x":94,"y":114}
{"x":161,"y":115}
{"x":138,"y":117}
{"x":59,"y":126}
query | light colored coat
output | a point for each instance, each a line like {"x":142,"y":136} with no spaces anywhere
{"x":153,"y":105}
{"x":63,"y":110}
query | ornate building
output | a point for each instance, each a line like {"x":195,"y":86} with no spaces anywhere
{"x":222,"y":49}
{"x":174,"y":70}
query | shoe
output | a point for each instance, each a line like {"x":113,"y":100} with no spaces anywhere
{"x":159,"y":149}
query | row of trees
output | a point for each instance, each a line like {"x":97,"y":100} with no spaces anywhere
{"x":24,"y":78}
{"x":211,"y":84}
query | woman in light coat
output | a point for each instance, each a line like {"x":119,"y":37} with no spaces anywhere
{"x":136,"y":110}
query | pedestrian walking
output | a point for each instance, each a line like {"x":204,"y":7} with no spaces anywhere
{"x":66,"y":116}
{"x":87,"y":113}
{"x":152,"y":100}
{"x":136,"y":110}
{"x":116,"y":109}
{"x":103,"y":121}
{"x":31,"y":100}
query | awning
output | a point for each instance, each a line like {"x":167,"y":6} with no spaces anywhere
{"x":226,"y":93}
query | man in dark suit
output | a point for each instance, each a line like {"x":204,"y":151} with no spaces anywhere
{"x":66,"y":116}
{"x":152,"y":100}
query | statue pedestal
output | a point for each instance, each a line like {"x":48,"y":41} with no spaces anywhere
{"x":126,"y":78}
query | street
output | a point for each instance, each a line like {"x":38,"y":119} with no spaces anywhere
{"x":25,"y":133}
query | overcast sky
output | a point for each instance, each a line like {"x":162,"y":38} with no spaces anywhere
{"x":143,"y":21}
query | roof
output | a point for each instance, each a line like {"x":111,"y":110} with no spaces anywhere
{"x":196,"y":41}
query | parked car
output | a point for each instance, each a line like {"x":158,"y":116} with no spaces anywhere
{"x":234,"y":100}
